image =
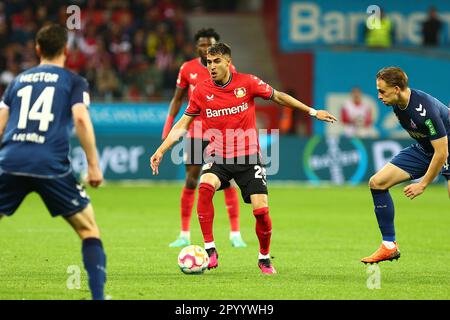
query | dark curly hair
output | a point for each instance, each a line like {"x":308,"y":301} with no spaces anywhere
{"x":207,"y":33}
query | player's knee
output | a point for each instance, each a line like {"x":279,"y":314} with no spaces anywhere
{"x":84,"y":223}
{"x":211,"y":179}
{"x":88,"y":231}
{"x":87,"y":228}
{"x":259,"y":201}
{"x":206,"y":189}
{"x":192,"y":175}
{"x":191,"y":182}
{"x":376,"y":184}
{"x":87,"y":235}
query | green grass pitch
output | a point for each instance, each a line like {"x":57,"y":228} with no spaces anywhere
{"x":319,"y":236}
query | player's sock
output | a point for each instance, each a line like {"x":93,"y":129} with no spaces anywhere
{"x":263,"y":229}
{"x":187,"y":203}
{"x":209,"y":245}
{"x":185,"y":234}
{"x":235,"y":234}
{"x":205,"y":210}
{"x":389,"y":244}
{"x":263,"y":256}
{"x":94,"y":260}
{"x":384,"y":210}
{"x":232,"y":203}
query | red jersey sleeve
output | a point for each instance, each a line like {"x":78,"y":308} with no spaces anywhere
{"x":193,"y":109}
{"x":260,"y":88}
{"x":182,"y":81}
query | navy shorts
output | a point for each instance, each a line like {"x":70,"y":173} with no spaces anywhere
{"x":415,"y":161}
{"x":62,"y":196}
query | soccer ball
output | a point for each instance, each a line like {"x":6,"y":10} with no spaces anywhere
{"x":193,"y":259}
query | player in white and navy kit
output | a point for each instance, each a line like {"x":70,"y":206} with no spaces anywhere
{"x":37,"y":113}
{"x":427,"y":121}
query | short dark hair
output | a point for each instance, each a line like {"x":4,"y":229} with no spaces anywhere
{"x":51,"y":39}
{"x":207,"y":33}
{"x":394,"y":77}
{"x":219,"y":48}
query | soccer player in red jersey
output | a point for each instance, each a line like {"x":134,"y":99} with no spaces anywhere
{"x":225,"y":102}
{"x":191,"y":73}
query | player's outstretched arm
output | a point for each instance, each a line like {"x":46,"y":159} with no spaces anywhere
{"x":4,"y":116}
{"x":437,"y":162}
{"x":174,"y":108}
{"x":85,"y":132}
{"x":179,"y":129}
{"x":288,"y":101}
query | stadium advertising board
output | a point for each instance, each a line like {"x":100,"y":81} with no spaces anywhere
{"x":322,"y":22}
{"x":336,"y":73}
{"x":149,"y":118}
{"x":335,"y":160}
{"x":342,"y":160}
{"x":124,"y":118}
{"x":316,"y":160}
{"x":124,"y":157}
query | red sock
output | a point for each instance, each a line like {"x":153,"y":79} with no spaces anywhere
{"x":205,"y":210}
{"x":187,"y":202}
{"x":232,"y":203}
{"x":263,"y":229}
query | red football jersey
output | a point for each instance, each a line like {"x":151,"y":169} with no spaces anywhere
{"x":228,"y":113}
{"x":191,"y":73}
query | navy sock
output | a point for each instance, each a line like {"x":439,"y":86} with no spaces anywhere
{"x":384,"y":210}
{"x":94,"y":260}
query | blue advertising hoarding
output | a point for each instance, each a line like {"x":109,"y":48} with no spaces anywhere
{"x":317,"y":160}
{"x":305,"y":24}
{"x":130,"y":118}
{"x":127,"y":137}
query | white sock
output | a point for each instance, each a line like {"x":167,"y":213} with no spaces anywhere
{"x":185,"y":234}
{"x":235,"y":234}
{"x":389,"y":244}
{"x":209,"y":245}
{"x":263,"y":256}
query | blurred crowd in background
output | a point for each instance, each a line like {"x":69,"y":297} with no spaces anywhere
{"x":127,"y":50}
{"x":131,"y":50}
